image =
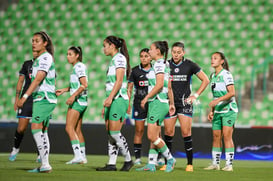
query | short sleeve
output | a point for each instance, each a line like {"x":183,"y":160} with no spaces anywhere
{"x":159,"y":67}
{"x":23,"y":70}
{"x":228,"y":79}
{"x":45,"y":63}
{"x":131,"y":77}
{"x":120,"y":61}
{"x":80,"y":70}
{"x":195,"y":68}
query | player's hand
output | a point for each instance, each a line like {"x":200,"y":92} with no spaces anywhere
{"x":143,"y":102}
{"x":59,"y":92}
{"x":102,"y":112}
{"x":213,"y":103}
{"x":129,"y":110}
{"x":15,"y":107}
{"x":70,"y":100}
{"x":21,"y":102}
{"x":171,"y":109}
{"x":107,"y":103}
{"x":210,"y":116}
{"x":190,"y":100}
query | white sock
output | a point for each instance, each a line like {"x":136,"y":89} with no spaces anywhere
{"x":229,"y":158}
{"x":216,"y":157}
{"x":41,"y":143}
{"x":76,"y":149}
{"x":152,"y":158}
{"x":112,"y":153}
{"x":82,"y":148}
{"x":166,"y":152}
{"x":122,"y":145}
{"x":47,"y":141}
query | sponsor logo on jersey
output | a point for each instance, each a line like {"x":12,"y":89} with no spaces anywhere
{"x":143,"y":83}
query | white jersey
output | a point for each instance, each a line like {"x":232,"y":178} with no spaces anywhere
{"x":79,"y":70}
{"x":46,"y":89}
{"x":219,"y":85}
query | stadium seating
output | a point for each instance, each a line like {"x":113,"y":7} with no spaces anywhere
{"x":241,"y":29}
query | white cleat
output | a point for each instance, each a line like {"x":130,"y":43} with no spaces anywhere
{"x":75,"y":161}
{"x":228,"y":168}
{"x":212,"y":167}
{"x":137,"y":162}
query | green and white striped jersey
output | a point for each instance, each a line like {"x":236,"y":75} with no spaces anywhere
{"x":159,"y":67}
{"x":79,"y":70}
{"x":118,"y":61}
{"x":219,"y":85}
{"x":47,"y":87}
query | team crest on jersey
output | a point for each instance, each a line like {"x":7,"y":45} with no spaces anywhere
{"x":176,"y":70}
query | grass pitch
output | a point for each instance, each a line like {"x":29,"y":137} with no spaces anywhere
{"x":17,"y":170}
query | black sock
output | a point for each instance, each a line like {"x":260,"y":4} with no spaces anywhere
{"x":137,"y":149}
{"x":188,"y":149}
{"x":169,"y":141}
{"x":18,"y":139}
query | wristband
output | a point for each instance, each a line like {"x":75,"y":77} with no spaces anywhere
{"x":196,"y":95}
{"x":25,"y":96}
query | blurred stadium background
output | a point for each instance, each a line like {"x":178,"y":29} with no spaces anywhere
{"x":242,"y":29}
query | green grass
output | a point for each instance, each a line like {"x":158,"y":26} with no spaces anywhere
{"x":17,"y":170}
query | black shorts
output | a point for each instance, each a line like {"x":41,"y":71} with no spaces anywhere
{"x":26,"y":110}
{"x":138,"y":113}
{"x":186,"y":110}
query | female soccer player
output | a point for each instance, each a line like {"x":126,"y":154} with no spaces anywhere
{"x":24,"y":114}
{"x":158,"y":105}
{"x":42,"y":89}
{"x":138,"y":79}
{"x":77,"y":104}
{"x":182,"y":70}
{"x":117,"y":102}
{"x":223,"y":111}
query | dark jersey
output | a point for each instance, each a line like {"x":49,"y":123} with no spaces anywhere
{"x":26,"y":71}
{"x":140,"y":80}
{"x":181,"y":75}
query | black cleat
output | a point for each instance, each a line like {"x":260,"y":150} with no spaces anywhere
{"x":107,"y":168}
{"x":127,"y":166}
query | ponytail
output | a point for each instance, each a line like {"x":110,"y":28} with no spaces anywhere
{"x":121,"y":45}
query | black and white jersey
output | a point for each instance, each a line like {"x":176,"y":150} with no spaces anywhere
{"x":26,"y":70}
{"x":181,"y":78}
{"x":139,"y":78}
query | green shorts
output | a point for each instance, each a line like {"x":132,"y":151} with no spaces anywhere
{"x":223,"y":119}
{"x":117,"y":110}
{"x":157,"y":111}
{"x":76,"y":106}
{"x":42,"y":111}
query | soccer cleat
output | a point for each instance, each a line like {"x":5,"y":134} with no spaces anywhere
{"x":212,"y":167}
{"x":75,"y":161}
{"x":148,"y":167}
{"x":189,"y":168}
{"x":228,"y":168}
{"x":163,"y":168}
{"x":160,"y":162}
{"x":170,"y":165}
{"x":41,"y":170}
{"x":107,"y":168}
{"x":84,"y":160}
{"x":137,"y":161}
{"x":13,"y":154}
{"x":127,"y":166}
